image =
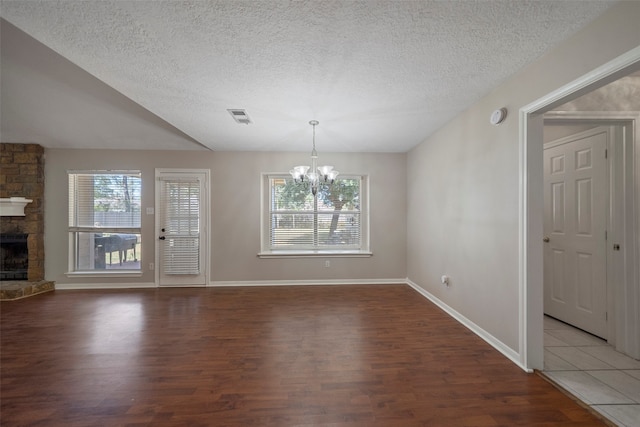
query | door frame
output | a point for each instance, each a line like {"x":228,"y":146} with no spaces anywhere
{"x":530,"y":261}
{"x":206,"y":220}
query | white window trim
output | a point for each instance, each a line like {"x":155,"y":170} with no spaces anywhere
{"x":267,"y":253}
{"x":307,"y":254}
{"x":108,"y":273}
{"x":72,"y":255}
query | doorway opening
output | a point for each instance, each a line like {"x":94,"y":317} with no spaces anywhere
{"x":531,"y":215}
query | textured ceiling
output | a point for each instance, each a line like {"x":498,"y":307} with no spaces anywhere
{"x":380,"y":76}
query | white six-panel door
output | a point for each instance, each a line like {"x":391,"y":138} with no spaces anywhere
{"x":575,"y":218}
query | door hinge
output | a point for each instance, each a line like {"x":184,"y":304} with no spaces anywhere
{"x":605,"y":235}
{"x":606,"y":153}
{"x":606,"y":316}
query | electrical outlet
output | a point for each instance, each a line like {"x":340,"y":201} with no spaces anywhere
{"x":151,"y":266}
{"x":327,"y":263}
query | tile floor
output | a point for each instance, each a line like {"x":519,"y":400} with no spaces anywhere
{"x":593,"y":371}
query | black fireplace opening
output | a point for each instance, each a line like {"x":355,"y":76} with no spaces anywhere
{"x":14,"y":257}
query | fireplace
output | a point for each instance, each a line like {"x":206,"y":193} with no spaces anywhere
{"x":22,"y":236}
{"x":14,"y":257}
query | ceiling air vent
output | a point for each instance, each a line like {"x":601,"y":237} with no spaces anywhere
{"x":240,"y":116}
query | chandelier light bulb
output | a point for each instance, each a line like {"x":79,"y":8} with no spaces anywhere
{"x":298,"y":173}
{"x":327,"y":173}
{"x":313,"y":176}
{"x":331,"y":176}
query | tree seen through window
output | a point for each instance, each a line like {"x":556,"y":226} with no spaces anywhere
{"x":301,"y":221}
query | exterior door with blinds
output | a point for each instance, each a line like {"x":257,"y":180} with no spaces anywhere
{"x":181,"y":227}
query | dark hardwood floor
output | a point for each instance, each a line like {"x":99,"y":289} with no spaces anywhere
{"x":263,"y":356}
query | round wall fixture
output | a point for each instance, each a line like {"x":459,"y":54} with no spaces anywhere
{"x":498,"y":116}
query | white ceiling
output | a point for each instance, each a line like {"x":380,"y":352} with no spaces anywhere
{"x":380,"y":76}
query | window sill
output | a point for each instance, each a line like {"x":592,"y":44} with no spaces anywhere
{"x":121,"y":273}
{"x":318,"y":253}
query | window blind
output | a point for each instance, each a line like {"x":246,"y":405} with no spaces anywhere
{"x":105,"y":202}
{"x":181,"y":223}
{"x":299,"y":221}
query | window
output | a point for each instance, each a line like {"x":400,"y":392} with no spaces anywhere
{"x":297,"y":223}
{"x":104,"y":221}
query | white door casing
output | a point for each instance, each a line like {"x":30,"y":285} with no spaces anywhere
{"x":576,"y":200}
{"x":181,"y":227}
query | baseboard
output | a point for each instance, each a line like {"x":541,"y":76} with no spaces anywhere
{"x":79,"y":286}
{"x":337,"y":282}
{"x":507,"y":351}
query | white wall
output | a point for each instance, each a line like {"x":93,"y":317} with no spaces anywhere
{"x":553,"y":132}
{"x":235,"y":201}
{"x":463,"y":183}
{"x":620,"y":95}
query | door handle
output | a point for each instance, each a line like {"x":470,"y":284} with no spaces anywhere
{"x":161,"y":237}
{"x":546,"y":240}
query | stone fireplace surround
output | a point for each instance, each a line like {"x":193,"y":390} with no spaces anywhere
{"x":22,"y":175}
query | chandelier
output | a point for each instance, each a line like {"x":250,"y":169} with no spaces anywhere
{"x":314,"y":175}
